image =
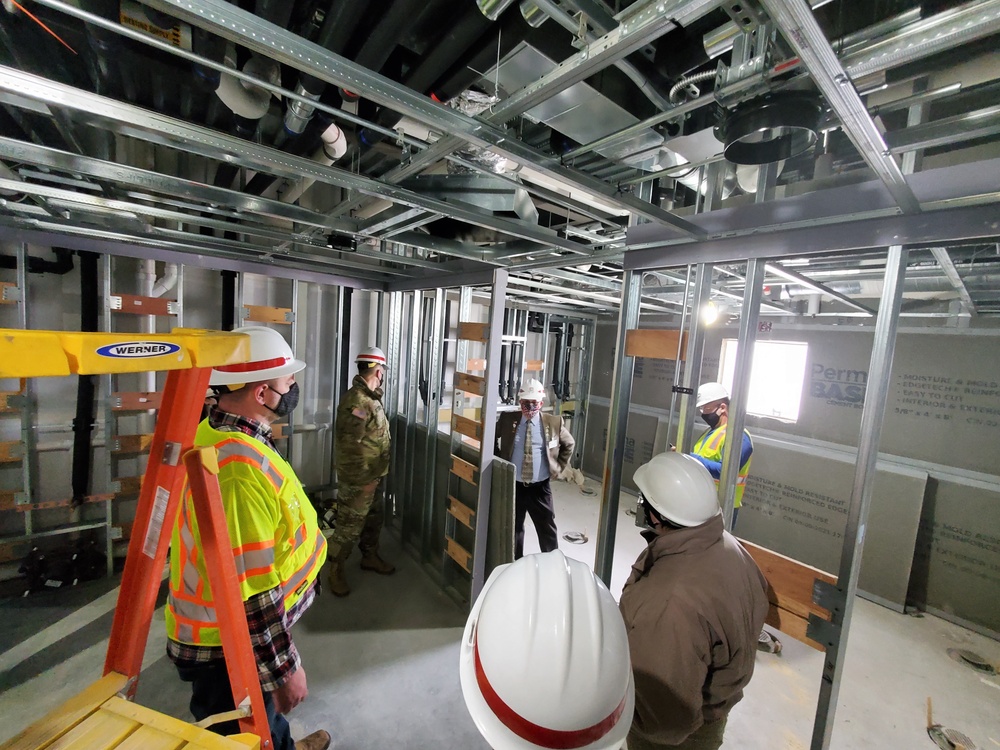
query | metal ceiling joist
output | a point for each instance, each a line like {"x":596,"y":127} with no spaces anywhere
{"x":946,"y":225}
{"x":946,"y":131}
{"x":778,"y":270}
{"x":802,"y":32}
{"x":24,"y":89}
{"x":943,"y":257}
{"x":122,"y":174}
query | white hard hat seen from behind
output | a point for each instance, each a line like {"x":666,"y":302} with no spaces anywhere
{"x":709,"y":392}
{"x":545,"y":659}
{"x":531,"y":390}
{"x":270,"y":357}
{"x":371,"y":355}
{"x":679,"y":487}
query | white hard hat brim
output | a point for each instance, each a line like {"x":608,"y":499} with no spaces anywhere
{"x":496,"y":733}
{"x":255,"y":376}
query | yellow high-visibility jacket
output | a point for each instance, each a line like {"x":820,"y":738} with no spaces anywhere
{"x":273,"y":530}
{"x":709,"y":447}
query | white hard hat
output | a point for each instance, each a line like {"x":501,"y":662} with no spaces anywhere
{"x":270,"y":357}
{"x":371,"y":355}
{"x":709,"y":392}
{"x":531,"y":390}
{"x":679,"y":487}
{"x":545,"y":659}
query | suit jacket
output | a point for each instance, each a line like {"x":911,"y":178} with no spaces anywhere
{"x":557,"y":438}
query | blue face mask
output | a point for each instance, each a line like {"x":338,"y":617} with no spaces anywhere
{"x":287,"y":401}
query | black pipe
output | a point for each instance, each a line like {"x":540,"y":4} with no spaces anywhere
{"x":425,"y":340}
{"x":345,"y":340}
{"x":444,"y":344}
{"x":62,"y":265}
{"x":213,"y":47}
{"x":83,"y":423}
{"x":228,"y":300}
{"x":568,"y":356}
{"x":557,"y":366}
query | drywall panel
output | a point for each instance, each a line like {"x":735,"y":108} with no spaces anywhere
{"x":796,"y":503}
{"x":957,"y":566}
{"x":639,"y":443}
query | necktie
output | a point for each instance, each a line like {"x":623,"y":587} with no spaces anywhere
{"x":527,"y":469}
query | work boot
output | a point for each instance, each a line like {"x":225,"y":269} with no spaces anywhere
{"x":318,"y":740}
{"x":371,"y":561}
{"x":337,"y":581}
{"x":767,"y":642}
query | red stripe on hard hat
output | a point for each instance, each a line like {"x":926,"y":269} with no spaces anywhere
{"x":264,"y":364}
{"x":557,"y":739}
{"x":370,"y":358}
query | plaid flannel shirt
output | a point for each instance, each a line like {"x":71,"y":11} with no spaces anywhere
{"x":268,"y":621}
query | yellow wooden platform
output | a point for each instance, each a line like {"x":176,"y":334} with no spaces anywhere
{"x":97,"y":719}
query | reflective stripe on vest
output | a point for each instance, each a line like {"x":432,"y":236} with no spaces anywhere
{"x":191,"y":615}
{"x":710,"y":446}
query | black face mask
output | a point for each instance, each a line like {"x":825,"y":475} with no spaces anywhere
{"x":287,"y":401}
{"x":712,"y":419}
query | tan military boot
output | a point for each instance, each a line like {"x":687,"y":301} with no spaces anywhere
{"x":318,"y":740}
{"x":337,"y":581}
{"x":371,"y":561}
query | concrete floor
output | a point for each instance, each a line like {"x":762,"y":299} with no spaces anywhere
{"x":382,"y":663}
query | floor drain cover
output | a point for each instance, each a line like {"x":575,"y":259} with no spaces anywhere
{"x":972,"y":659}
{"x":575,"y":537}
{"x":588,"y":491}
{"x":950,"y":739}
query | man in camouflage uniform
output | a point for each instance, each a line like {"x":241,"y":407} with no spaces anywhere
{"x":362,"y":462}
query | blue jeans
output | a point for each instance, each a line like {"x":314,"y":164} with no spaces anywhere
{"x":211,"y":694}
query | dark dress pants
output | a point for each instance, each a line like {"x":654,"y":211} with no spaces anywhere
{"x":535,"y":500}
{"x":212,"y":694}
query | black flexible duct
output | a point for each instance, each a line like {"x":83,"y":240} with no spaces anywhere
{"x":62,"y":265}
{"x":83,"y":423}
{"x":345,"y":340}
{"x":566,"y":361}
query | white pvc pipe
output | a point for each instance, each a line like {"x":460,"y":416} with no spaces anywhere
{"x":334,"y":146}
{"x":167,"y":282}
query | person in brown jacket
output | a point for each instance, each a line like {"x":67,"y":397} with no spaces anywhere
{"x":539,"y":446}
{"x":693,"y":607}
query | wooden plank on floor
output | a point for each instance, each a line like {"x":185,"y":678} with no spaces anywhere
{"x":61,"y":720}
{"x":791,"y":582}
{"x":459,"y":554}
{"x":467,"y":427}
{"x":463,"y":469}
{"x":474,"y":332}
{"x":136,"y":401}
{"x":653,"y":343}
{"x":473,"y":384}
{"x":265,"y":314}
{"x":138,"y":305}
{"x":462,"y":512}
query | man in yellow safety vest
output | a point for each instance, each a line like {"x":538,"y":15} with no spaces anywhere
{"x":276,"y":542}
{"x":713,"y":405}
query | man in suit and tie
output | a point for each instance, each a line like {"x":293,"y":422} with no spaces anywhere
{"x":540,"y":447}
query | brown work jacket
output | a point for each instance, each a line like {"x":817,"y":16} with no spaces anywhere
{"x":693,"y":607}
{"x":557,"y":438}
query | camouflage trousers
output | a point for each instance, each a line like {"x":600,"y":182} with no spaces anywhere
{"x":359,"y":520}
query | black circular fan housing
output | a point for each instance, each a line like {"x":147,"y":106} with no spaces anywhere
{"x":770,"y":128}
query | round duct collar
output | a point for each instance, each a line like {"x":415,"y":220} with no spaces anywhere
{"x":769,"y":128}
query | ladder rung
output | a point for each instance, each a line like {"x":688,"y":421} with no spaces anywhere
{"x":462,"y":512}
{"x":136,"y":401}
{"x":11,"y":451}
{"x":132,"y":443}
{"x":474,"y":331}
{"x":463,"y":469}
{"x":468,"y":427}
{"x":139,"y":305}
{"x":473,"y":384}
{"x":459,"y":554}
{"x":264,"y":314}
